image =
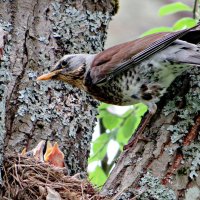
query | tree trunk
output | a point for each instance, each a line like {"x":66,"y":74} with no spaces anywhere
{"x":166,"y":166}
{"x":38,"y":34}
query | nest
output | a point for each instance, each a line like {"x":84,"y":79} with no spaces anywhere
{"x":25,"y":178}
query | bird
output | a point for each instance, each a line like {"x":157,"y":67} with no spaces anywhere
{"x":46,"y":152}
{"x":36,"y":153}
{"x":54,"y":156}
{"x":137,"y":71}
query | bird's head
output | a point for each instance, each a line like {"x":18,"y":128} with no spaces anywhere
{"x":71,"y":69}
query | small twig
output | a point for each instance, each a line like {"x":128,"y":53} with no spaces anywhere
{"x":195,"y":9}
{"x":24,"y":176}
{"x":82,"y":193}
{"x":17,"y":176}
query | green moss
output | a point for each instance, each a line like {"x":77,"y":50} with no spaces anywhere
{"x":182,"y":171}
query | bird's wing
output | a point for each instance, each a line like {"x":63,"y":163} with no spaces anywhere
{"x":121,"y":57}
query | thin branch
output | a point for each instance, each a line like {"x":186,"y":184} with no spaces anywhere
{"x":195,"y":8}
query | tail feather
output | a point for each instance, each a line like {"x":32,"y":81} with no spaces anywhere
{"x":191,"y":56}
{"x":194,"y":59}
{"x":185,"y":53}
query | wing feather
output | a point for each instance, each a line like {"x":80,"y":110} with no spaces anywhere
{"x":119,"y":58}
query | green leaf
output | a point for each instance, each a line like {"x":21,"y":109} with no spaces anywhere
{"x":131,"y":124}
{"x":140,"y":109}
{"x":186,"y":22}
{"x":127,"y":129}
{"x":103,"y":106}
{"x":103,"y":110}
{"x":174,"y":8}
{"x":128,"y":112}
{"x":111,"y":121}
{"x":102,"y":113}
{"x":99,"y":147}
{"x":98,"y":177}
{"x":157,"y":30}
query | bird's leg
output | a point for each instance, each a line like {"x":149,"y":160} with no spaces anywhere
{"x":137,"y":135}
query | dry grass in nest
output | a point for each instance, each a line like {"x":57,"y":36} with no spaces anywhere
{"x":26,"y":179}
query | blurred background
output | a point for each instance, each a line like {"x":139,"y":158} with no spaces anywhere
{"x":134,"y":17}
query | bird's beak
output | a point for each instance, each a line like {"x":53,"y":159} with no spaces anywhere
{"x":37,"y":152}
{"x":49,"y":76}
{"x":54,"y":155}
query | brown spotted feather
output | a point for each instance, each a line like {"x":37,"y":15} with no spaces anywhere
{"x":107,"y":60}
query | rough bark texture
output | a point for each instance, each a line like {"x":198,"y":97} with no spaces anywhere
{"x":167,"y":166}
{"x":3,"y":92}
{"x":39,"y":33}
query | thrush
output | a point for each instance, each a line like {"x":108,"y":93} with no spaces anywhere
{"x":132,"y":72}
{"x":45,"y":152}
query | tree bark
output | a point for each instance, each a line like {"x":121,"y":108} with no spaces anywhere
{"x":166,"y":166}
{"x":39,"y":33}
{"x":3,"y":92}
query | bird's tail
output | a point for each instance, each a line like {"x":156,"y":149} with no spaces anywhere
{"x":185,"y":53}
{"x":194,"y":60}
{"x":191,"y":56}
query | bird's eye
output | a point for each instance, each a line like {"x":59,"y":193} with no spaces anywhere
{"x":64,"y":62}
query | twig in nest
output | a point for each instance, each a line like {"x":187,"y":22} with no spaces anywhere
{"x":25,"y":178}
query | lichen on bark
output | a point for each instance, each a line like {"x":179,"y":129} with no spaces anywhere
{"x":4,"y":80}
{"x":164,"y":167}
{"x":41,"y":32}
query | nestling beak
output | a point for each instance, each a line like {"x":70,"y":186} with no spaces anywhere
{"x":54,"y":155}
{"x":49,"y":76}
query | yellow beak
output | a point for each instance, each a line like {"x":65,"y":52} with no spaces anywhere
{"x":48,"y":76}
